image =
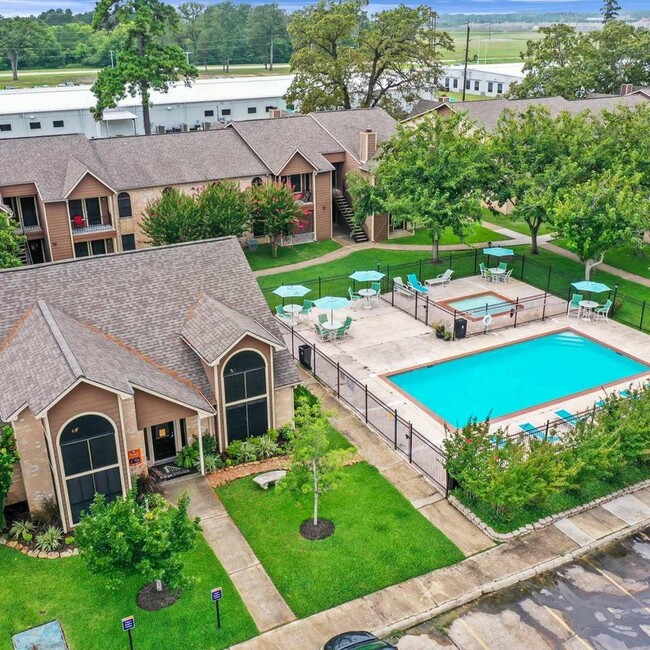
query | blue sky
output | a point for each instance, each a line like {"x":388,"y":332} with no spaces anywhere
{"x":26,"y":7}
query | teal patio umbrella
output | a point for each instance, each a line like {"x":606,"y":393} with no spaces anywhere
{"x":291,"y":291}
{"x":332,"y":303}
{"x":497,"y":251}
{"x":366,"y":276}
{"x":592,"y":287}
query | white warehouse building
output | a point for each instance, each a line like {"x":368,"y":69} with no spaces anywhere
{"x":486,"y":80}
{"x":204,"y":104}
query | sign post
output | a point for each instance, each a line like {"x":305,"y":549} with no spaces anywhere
{"x":217,"y":595}
{"x":128,"y":624}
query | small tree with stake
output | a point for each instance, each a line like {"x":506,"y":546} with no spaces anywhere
{"x":314,"y":467}
{"x":8,"y":458}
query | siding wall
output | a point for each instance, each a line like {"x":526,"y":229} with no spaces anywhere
{"x":58,"y":224}
{"x":323,"y":206}
{"x":297,"y":165}
{"x":26,"y":189}
{"x":89,"y":187}
{"x":151,"y":410}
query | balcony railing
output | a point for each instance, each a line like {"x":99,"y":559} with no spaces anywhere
{"x":81,"y":226}
{"x":26,"y":229}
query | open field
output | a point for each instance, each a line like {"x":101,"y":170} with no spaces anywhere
{"x":489,"y":46}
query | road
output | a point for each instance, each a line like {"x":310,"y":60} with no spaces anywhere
{"x":601,"y":602}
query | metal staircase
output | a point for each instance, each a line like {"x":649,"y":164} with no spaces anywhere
{"x":345,"y":211}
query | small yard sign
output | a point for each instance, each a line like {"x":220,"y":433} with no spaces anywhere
{"x":128,"y":623}
{"x":135,"y":456}
{"x":217,"y":594}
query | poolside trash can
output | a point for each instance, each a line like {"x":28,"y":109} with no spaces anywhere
{"x":304,"y":354}
{"x":460,"y":328}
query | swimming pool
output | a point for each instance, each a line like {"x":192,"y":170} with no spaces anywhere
{"x":479,"y":304}
{"x":515,"y":377}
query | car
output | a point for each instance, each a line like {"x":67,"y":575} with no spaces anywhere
{"x":357,"y":641}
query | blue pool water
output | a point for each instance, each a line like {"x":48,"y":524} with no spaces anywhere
{"x":515,"y":377}
{"x":487,"y":303}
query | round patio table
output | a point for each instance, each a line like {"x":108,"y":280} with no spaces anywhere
{"x":368,"y":295}
{"x":293,"y":309}
{"x":331,"y":326}
{"x":587,"y":307}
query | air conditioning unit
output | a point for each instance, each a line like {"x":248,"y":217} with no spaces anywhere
{"x":160,"y":129}
{"x":275,"y":112}
{"x":184,"y":127}
{"x":206,"y":126}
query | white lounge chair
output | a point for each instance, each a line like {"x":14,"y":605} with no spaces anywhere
{"x":440,"y":280}
{"x":400,"y":287}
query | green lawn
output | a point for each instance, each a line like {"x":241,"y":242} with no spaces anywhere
{"x":36,"y":591}
{"x":506,"y":221}
{"x":626,"y":258}
{"x":475,"y":234}
{"x":380,"y":539}
{"x":262,"y":258}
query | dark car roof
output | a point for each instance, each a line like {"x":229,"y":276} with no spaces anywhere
{"x":356,"y":641}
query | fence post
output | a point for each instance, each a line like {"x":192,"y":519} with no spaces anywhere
{"x":338,"y":379}
{"x":426,"y":312}
{"x":516,"y":310}
{"x":366,"y":403}
{"x":395,"y":435}
{"x":544,"y":308}
{"x":642,"y":314}
{"x":453,"y":331}
{"x":613,"y":308}
{"x":548,"y":282}
{"x":410,"y":442}
{"x":416,"y":305}
{"x":523,"y":261}
{"x":475,"y":260}
{"x":320,"y":287}
{"x":392,"y":296}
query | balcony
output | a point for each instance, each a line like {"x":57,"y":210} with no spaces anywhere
{"x":27,"y":228}
{"x":89,"y":226}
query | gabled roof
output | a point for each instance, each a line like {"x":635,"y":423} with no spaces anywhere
{"x":212,"y":328}
{"x":50,"y":352}
{"x":277,"y":140}
{"x":142,"y":298}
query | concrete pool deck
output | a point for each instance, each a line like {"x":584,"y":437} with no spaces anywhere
{"x":384,"y":340}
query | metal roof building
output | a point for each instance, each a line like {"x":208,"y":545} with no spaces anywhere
{"x":203,"y":104}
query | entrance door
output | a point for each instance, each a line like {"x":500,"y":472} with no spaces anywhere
{"x":163,"y":441}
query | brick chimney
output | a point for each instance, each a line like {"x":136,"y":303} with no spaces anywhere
{"x":626,"y":89}
{"x":443,"y":99}
{"x":275,"y":112}
{"x":368,"y":145}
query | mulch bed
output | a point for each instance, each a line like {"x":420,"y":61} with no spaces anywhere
{"x":324,"y":529}
{"x":152,"y":600}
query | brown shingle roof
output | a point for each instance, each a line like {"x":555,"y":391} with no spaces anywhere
{"x":143,"y":297}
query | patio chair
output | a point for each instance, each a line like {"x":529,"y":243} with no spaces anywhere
{"x":377,"y":287}
{"x":339,"y":333}
{"x":281,"y":314}
{"x":483,"y":270}
{"x":440,"y":280}
{"x":574,"y":305}
{"x":503,"y":266}
{"x":348,"y":323}
{"x":489,"y":276}
{"x":505,"y":277}
{"x":570,"y":418}
{"x":306,"y":308}
{"x":400,"y":287}
{"x":602,"y":311}
{"x":531,"y":430}
{"x":322,"y":333}
{"x":322,"y":318}
{"x":354,"y":297}
{"x":415,"y":285}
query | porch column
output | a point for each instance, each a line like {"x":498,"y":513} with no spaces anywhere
{"x":200,"y":434}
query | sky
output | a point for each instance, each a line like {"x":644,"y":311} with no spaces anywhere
{"x":27,"y":7}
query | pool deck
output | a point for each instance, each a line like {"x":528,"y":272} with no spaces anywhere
{"x":385,"y":340}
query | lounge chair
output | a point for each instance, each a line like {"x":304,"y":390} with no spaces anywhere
{"x":570,"y":418}
{"x":322,"y":333}
{"x":602,"y":311}
{"x":415,"y":285}
{"x":354,"y":297}
{"x":400,"y":287}
{"x":531,"y":430}
{"x":503,"y":266}
{"x":574,"y":305}
{"x":377,"y":287}
{"x":442,"y":279}
{"x":306,"y":308}
{"x":281,"y":314}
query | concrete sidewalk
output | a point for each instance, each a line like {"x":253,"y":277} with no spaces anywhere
{"x":263,"y":600}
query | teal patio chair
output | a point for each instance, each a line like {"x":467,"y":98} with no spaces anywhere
{"x":503,"y":266}
{"x":354,"y":297}
{"x":574,"y":305}
{"x":602,"y":311}
{"x":323,"y":334}
{"x":339,"y":333}
{"x":306,"y":308}
{"x":414,"y":284}
{"x":348,"y":323}
{"x":322,"y":318}
{"x":377,"y":287}
{"x":483,"y":270}
{"x":281,"y":314}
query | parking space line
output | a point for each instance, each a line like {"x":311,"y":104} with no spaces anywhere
{"x":619,"y":586}
{"x":475,"y":636}
{"x":568,"y":628}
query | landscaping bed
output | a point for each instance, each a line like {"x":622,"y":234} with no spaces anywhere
{"x":379,"y":539}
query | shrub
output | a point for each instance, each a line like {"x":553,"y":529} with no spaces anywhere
{"x":301,"y":392}
{"x":49,"y":539}
{"x":28,"y":537}
{"x":211,"y":463}
{"x":8,"y":458}
{"x":188,"y":456}
{"x":264,"y":447}
{"x":69,"y":541}
{"x":48,"y":512}
{"x":20,"y":528}
{"x":209,"y":445}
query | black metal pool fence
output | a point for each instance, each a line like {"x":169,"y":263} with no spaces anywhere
{"x":554,"y":285}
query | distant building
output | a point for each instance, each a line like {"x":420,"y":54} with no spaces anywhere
{"x":486,"y":80}
{"x":206,"y":104}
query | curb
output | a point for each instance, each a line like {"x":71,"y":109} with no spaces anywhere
{"x":509,"y":581}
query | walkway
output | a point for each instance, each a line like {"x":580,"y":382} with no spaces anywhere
{"x":263,"y":600}
{"x":422,"y":598}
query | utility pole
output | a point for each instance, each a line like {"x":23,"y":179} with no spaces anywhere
{"x":271,"y":54}
{"x":466,"y":57}
{"x":187,"y":54}
{"x":112,"y":60}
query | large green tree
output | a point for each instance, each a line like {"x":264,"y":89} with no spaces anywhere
{"x":10,"y":242}
{"x":146,"y":63}
{"x":266,"y":29}
{"x":344,"y":57}
{"x":191,"y":14}
{"x":610,"y":10}
{"x":8,"y":459}
{"x":224,"y":31}
{"x":22,"y":39}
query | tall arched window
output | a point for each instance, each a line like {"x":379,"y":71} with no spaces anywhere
{"x":257,"y":181}
{"x":90,"y":461}
{"x":246,"y":395}
{"x":124,"y":205}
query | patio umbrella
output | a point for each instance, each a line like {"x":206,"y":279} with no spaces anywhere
{"x":497,"y":251}
{"x":332,"y":303}
{"x":592,"y":287}
{"x":366,"y":276}
{"x":291,"y":291}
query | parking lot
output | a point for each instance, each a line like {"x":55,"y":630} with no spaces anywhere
{"x":599,"y":602}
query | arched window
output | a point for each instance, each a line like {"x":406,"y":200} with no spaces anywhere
{"x":256,"y":181}
{"x":246,"y":395}
{"x":124,"y":205}
{"x":90,"y":461}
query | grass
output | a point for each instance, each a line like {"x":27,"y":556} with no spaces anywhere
{"x":29,"y":81}
{"x":518,"y":225}
{"x":380,"y":539}
{"x":626,"y":258}
{"x":496,"y":47}
{"x":262,"y":258}
{"x":34,"y":591}
{"x":475,"y":234}
{"x":587,"y":491}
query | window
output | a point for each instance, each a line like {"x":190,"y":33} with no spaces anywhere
{"x":98,"y":247}
{"x":5,"y":127}
{"x":446,"y":82}
{"x":455,"y":83}
{"x":299,"y":183}
{"x":251,"y":110}
{"x":490,"y":86}
{"x":128,"y":242}
{"x":34,"y":125}
{"x":124,"y":205}
{"x":468,"y":84}
{"x":270,"y":108}
{"x":94,"y":247}
{"x":29,"y":212}
{"x":225,"y":111}
{"x":81,"y":249}
{"x":90,"y":462}
{"x":208,"y":113}
{"x":256,"y":181}
{"x":499,"y":88}
{"x":245,"y":389}
{"x":57,"y":124}
{"x":88,"y":212}
{"x":477,"y":85}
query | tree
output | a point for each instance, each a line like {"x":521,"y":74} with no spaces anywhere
{"x":533,"y":158}
{"x":191,"y":14}
{"x":274,"y":210}
{"x":267,"y":24}
{"x":432,"y":175}
{"x":8,"y":459}
{"x":10,"y":242}
{"x":224,"y":209}
{"x":145,"y":64}
{"x":610,"y":10}
{"x":607,"y":210}
{"x":21,"y":38}
{"x":124,"y":537}
{"x":224,"y":26}
{"x":314,"y":468}
{"x":171,"y":219}
{"x":344,"y":58}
